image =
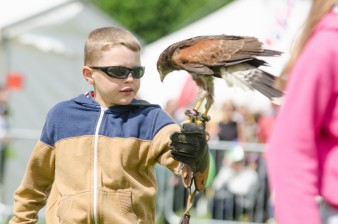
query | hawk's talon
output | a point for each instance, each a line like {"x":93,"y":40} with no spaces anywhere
{"x":196,"y":117}
{"x":192,"y":116}
{"x":195,"y":112}
{"x":205,"y":118}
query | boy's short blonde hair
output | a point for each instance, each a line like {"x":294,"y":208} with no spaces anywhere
{"x":104,"y":39}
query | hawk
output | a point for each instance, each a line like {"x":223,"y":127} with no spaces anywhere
{"x":233,"y":58}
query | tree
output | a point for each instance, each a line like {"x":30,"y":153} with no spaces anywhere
{"x":153,"y":19}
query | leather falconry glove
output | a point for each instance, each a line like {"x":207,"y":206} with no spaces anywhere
{"x":190,"y":147}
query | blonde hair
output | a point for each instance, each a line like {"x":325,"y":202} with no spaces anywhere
{"x":104,"y":39}
{"x":318,"y":9}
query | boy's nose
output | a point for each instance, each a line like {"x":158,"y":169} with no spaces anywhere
{"x":130,"y":76}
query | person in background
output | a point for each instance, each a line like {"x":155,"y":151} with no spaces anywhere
{"x":231,"y":124}
{"x":265,"y":124}
{"x":249,"y":124}
{"x":302,"y":151}
{"x":230,"y":128}
{"x":235,"y":186}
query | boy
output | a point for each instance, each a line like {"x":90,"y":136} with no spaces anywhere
{"x":94,"y":162}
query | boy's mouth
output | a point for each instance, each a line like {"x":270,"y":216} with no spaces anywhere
{"x":127,"y":90}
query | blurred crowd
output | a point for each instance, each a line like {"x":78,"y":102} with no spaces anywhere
{"x":237,"y":187}
{"x":233,"y":122}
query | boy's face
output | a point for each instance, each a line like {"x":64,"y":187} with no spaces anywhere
{"x":113,"y":91}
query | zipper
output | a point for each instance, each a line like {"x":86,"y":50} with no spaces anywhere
{"x":95,"y":184}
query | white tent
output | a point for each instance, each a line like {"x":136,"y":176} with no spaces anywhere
{"x":42,"y":43}
{"x":273,"y":22}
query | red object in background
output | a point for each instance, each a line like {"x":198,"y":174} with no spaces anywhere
{"x":14,"y":81}
{"x":188,"y":93}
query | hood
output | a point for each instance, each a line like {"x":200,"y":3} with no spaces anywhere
{"x":87,"y":100}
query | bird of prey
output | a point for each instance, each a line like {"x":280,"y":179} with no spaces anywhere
{"x":233,"y":58}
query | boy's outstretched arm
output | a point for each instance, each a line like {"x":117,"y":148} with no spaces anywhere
{"x":190,"y":147}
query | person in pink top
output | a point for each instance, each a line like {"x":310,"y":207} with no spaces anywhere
{"x":302,"y":151}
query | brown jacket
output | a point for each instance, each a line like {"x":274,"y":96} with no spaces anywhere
{"x":96,"y":166}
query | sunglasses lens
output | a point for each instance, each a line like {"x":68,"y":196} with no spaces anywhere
{"x":138,"y":72}
{"x":118,"y":72}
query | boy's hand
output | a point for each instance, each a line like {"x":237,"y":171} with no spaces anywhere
{"x":190,"y":147}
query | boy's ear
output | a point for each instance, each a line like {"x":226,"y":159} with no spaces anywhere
{"x":88,"y":74}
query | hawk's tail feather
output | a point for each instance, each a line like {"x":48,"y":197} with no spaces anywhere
{"x":268,"y":52}
{"x":263,"y":82}
{"x":257,"y":62}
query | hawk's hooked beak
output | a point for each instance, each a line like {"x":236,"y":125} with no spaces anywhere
{"x":162,"y":76}
{"x":163,"y":71}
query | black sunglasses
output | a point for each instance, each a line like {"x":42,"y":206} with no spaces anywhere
{"x":121,"y":72}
